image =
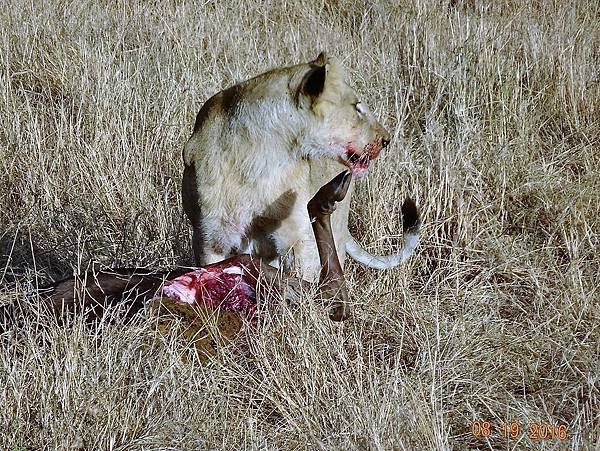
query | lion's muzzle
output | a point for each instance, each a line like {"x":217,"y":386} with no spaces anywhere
{"x":359,"y":160}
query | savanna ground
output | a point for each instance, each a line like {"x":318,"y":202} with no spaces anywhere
{"x":494,"y":109}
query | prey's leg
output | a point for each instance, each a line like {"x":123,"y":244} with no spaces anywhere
{"x":331,"y":278}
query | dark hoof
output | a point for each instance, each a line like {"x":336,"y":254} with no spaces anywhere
{"x":323,"y":203}
{"x":340,"y":185}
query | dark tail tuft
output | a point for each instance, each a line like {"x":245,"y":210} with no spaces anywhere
{"x":410,"y":216}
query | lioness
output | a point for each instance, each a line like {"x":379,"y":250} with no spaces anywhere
{"x":262,"y":148}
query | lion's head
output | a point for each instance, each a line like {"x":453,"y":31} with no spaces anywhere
{"x":339,"y":124}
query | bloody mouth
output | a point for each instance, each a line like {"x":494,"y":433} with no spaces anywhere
{"x":358,"y":163}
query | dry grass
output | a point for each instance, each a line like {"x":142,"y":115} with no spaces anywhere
{"x":495,"y":110}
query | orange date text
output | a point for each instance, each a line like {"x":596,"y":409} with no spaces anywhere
{"x":514,"y":430}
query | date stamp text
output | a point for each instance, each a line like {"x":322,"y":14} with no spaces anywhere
{"x":515,"y":429}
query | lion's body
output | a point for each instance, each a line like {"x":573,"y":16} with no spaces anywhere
{"x":261,"y":149}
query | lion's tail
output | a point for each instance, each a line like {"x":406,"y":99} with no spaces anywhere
{"x":411,"y":230}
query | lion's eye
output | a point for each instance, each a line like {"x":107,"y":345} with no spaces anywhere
{"x":361,"y":108}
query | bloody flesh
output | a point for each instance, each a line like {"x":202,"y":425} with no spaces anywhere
{"x":228,"y":285}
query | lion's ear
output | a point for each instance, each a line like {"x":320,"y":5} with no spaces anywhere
{"x":321,"y":59}
{"x":313,"y":82}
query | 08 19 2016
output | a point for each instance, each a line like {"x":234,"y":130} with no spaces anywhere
{"x":513,"y":430}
